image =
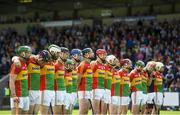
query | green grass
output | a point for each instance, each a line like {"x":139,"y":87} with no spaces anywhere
{"x":75,"y":112}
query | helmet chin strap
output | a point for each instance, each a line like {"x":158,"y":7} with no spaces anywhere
{"x":76,"y":60}
{"x":64,"y":60}
{"x":103,"y":61}
{"x":111,"y":64}
{"x":23,"y":57}
{"x":87,"y":58}
{"x":53,"y":56}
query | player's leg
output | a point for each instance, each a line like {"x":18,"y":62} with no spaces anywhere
{"x":83,"y":106}
{"x":31,"y":109}
{"x":124,"y":102}
{"x":25,"y":107}
{"x":16,"y":111}
{"x":113,"y":109}
{"x":96,"y":101}
{"x":104,"y":107}
{"x":47,"y":97}
{"x":44,"y":109}
{"x":136,"y":102}
{"x":144,"y":104}
{"x":36,"y":108}
{"x":124,"y":109}
{"x":158,"y":102}
{"x":59,"y":107}
{"x":35,"y":100}
{"x":14,"y":103}
{"x":96,"y":106}
{"x":74,"y":100}
{"x":114,"y":106}
{"x":135,"y":109}
{"x":150,"y":103}
{"x":68,"y":103}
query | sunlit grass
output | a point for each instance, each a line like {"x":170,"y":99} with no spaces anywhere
{"x":75,"y":112}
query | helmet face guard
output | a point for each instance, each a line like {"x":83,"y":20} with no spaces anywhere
{"x":126,"y":63}
{"x":140,"y":65}
{"x":44,"y":55}
{"x":63,"y":54}
{"x":111,"y":60}
{"x":101,"y":54}
{"x":54,"y":50}
{"x":159,"y":67}
{"x":150,"y":66}
{"x":88,"y":53}
{"x":69,"y":65}
{"x":76,"y":54}
{"x":24,"y":51}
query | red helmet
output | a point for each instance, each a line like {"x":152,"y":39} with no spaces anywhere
{"x":101,"y":51}
{"x":125,"y":62}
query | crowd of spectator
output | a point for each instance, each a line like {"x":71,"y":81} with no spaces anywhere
{"x":157,"y":40}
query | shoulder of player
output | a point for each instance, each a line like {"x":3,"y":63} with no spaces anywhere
{"x":92,"y":63}
{"x":83,"y":63}
{"x":32,"y":59}
{"x":133,"y":72}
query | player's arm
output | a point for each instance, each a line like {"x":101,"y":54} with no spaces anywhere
{"x":92,"y":64}
{"x":80,"y":69}
{"x":12,"y":79}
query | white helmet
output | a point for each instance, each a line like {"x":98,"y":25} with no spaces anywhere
{"x":150,"y":65}
{"x":54,"y":48}
{"x":111,"y":59}
{"x":159,"y":66}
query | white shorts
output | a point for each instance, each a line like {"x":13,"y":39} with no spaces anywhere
{"x":98,"y":94}
{"x":74,"y":97}
{"x":107,"y":96}
{"x":34,"y":97}
{"x":115,"y":100}
{"x":137,"y":97}
{"x":124,"y":100}
{"x":145,"y":97}
{"x":156,"y":97}
{"x":68,"y":101}
{"x":85,"y":94}
{"x":48,"y":97}
{"x":60,"y":97}
{"x":23,"y":103}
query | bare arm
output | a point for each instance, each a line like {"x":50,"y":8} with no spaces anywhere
{"x":79,"y":80}
{"x":12,"y":79}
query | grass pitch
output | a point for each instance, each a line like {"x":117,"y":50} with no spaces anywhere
{"x":75,"y":112}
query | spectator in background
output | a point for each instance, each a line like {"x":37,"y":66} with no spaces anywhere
{"x":169,"y":80}
{"x":177,"y":85}
{"x":156,"y":40}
